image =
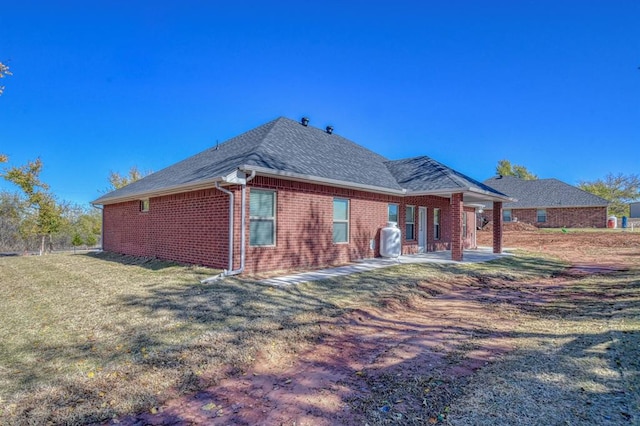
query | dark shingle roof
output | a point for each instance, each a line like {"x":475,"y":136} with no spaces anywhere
{"x":286,"y":146}
{"x":543,"y":193}
{"x":426,"y":174}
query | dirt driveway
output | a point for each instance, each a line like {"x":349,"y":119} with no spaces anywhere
{"x":455,"y":355}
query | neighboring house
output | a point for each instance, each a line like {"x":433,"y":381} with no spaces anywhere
{"x":549,"y":203}
{"x":634,"y":210}
{"x":287,"y":195}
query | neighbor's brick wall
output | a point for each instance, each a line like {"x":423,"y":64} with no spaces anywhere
{"x":567,"y":217}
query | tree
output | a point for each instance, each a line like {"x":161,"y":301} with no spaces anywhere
{"x":4,"y":71}
{"x":11,"y":215}
{"x":76,"y":241}
{"x":117,"y":181}
{"x":618,"y":189}
{"x":504,"y":168}
{"x":44,"y":215}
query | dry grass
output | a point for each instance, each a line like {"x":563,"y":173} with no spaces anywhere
{"x":576,"y":360}
{"x":89,"y":337}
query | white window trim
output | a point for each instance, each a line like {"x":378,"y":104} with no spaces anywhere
{"x":342,"y":220}
{"x":412,"y":222}
{"x":274,"y":218}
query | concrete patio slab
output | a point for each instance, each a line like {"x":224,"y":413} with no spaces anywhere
{"x":481,"y":254}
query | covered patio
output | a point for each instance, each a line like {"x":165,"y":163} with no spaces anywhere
{"x":481,"y":254}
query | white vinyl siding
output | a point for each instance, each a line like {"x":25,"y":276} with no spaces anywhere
{"x":340,"y":220}
{"x":262,"y":218}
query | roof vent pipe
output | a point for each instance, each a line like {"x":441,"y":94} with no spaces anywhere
{"x":330,"y":129}
{"x":305,"y":121}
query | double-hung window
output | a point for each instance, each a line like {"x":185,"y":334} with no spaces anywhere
{"x":262,"y":218}
{"x":340,"y":220}
{"x":436,"y":224}
{"x":393,"y":213}
{"x":410,"y":223}
{"x":506,"y":215}
{"x":541,"y":215}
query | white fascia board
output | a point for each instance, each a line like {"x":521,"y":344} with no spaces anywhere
{"x":263,"y":171}
{"x":170,"y":190}
{"x":469,"y":190}
{"x":556,"y":207}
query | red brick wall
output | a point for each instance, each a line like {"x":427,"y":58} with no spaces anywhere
{"x":497,"y":226}
{"x":192,"y":227}
{"x":568,"y":217}
{"x":304,"y":224}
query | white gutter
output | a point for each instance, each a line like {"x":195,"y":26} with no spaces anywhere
{"x":231,"y":202}
{"x":447,"y":193}
{"x":175,"y":189}
{"x":229,"y":272}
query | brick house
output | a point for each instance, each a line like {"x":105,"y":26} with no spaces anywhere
{"x":288,"y":195}
{"x":548,"y":203}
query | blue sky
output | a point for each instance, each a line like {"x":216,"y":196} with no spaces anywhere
{"x":101,"y":86}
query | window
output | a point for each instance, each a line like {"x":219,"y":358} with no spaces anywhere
{"x":393,"y":213}
{"x":340,"y":220}
{"x":410,"y":223}
{"x":144,"y":205}
{"x":506,"y":215}
{"x":436,"y":224}
{"x":542,"y":215}
{"x":464,"y":225}
{"x":262,"y":218}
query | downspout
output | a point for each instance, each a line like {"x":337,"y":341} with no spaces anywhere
{"x":231,"y":201}
{"x":229,"y":272}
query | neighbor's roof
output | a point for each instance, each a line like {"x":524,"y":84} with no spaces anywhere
{"x":543,"y":193}
{"x":286,"y":148}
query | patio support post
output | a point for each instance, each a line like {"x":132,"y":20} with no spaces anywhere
{"x":497,"y":226}
{"x":457,"y":244}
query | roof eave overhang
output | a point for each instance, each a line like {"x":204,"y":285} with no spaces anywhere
{"x":176,"y":189}
{"x":559,"y":207}
{"x":476,"y":192}
{"x":300,"y":177}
